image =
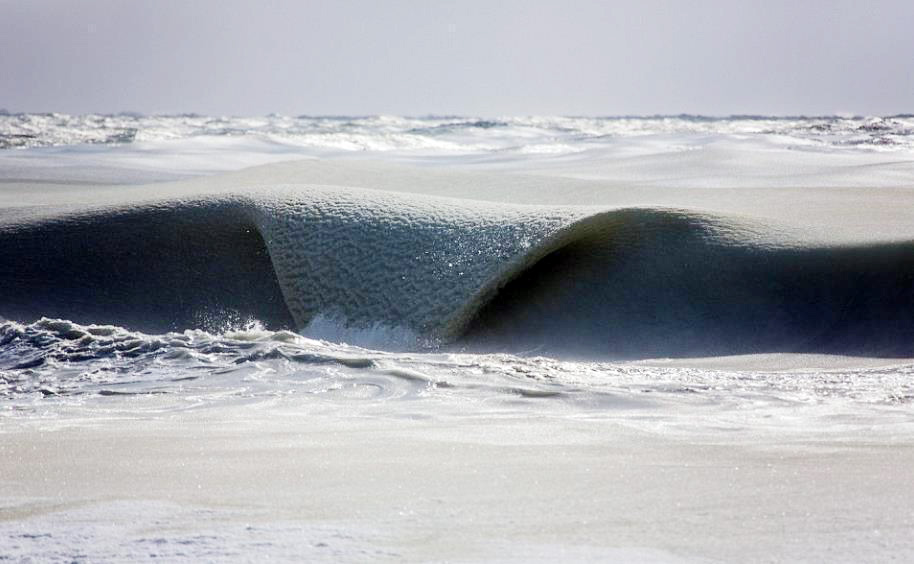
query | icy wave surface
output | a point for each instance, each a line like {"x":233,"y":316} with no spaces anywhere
{"x":630,"y":282}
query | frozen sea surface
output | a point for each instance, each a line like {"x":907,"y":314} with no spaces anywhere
{"x":446,"y":338}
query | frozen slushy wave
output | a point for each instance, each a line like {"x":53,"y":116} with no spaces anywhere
{"x":595,"y":282}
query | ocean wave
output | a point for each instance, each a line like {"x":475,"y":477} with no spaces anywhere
{"x":595,"y":282}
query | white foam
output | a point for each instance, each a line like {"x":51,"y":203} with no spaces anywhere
{"x":377,"y":335}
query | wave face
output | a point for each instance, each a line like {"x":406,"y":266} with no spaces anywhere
{"x":642,"y":283}
{"x":155,"y":268}
{"x":634,"y":282}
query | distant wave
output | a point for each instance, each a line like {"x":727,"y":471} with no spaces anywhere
{"x":447,"y":134}
{"x":632,"y":282}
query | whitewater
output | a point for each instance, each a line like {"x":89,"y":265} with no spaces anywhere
{"x":658,"y":339}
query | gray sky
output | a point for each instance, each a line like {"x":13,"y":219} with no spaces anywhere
{"x":462,"y":57}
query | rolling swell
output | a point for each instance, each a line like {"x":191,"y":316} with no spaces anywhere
{"x":573,"y":281}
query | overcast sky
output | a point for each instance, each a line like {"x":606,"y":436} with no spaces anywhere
{"x":483,"y":58}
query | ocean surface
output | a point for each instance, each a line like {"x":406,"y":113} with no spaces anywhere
{"x":682,"y":275}
{"x":552,"y":287}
